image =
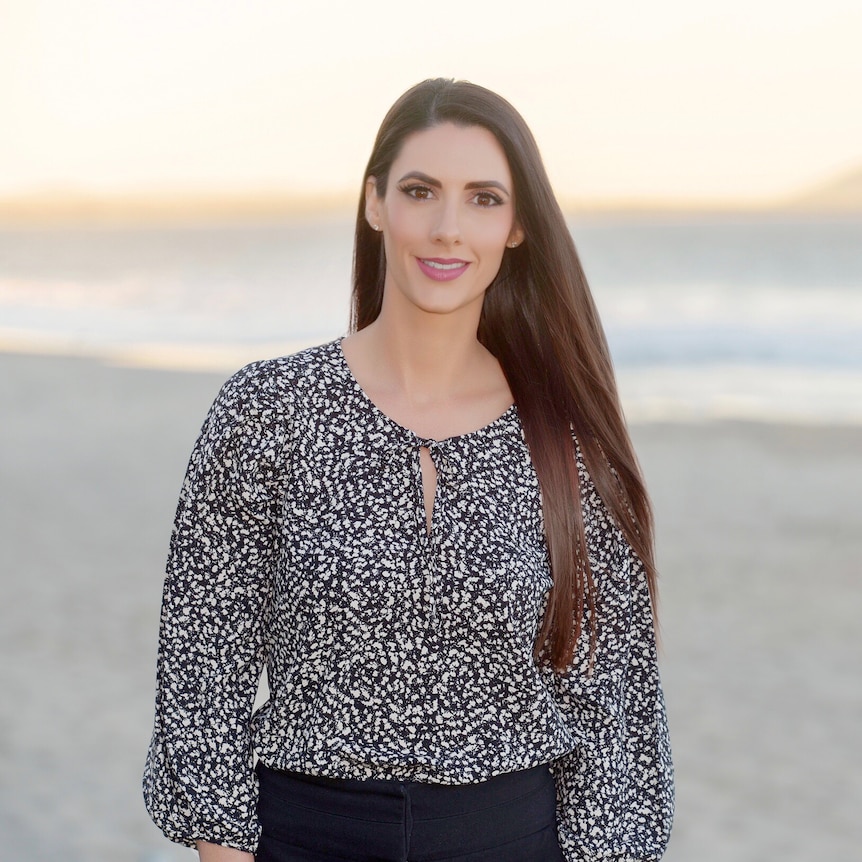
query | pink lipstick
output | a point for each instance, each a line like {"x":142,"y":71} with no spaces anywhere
{"x":442,"y":269}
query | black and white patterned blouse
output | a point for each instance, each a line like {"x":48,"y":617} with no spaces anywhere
{"x":301,"y":543}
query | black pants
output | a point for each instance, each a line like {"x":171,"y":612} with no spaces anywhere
{"x":509,"y":818}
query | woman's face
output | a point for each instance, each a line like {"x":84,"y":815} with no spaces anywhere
{"x":447,"y":217}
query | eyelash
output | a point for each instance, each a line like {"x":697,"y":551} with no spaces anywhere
{"x":410,"y":191}
{"x":496,"y":199}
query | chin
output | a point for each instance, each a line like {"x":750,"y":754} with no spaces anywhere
{"x":448,"y":305}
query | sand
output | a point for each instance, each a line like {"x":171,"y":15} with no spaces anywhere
{"x":760,"y":547}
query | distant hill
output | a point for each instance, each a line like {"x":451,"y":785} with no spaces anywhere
{"x":843,"y":194}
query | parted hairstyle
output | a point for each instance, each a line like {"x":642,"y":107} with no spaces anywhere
{"x":540,"y":322}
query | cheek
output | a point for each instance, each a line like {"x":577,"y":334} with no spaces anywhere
{"x":403,"y":232}
{"x":492,"y":234}
{"x":398,"y":242}
{"x":405,"y":222}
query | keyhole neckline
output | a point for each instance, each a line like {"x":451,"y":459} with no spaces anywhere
{"x":418,"y":440}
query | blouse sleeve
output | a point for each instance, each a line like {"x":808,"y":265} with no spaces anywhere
{"x":198,"y":780}
{"x":615,"y":795}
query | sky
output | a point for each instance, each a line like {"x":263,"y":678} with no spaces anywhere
{"x":668,"y":100}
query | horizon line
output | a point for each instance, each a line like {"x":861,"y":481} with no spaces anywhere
{"x":139,"y":204}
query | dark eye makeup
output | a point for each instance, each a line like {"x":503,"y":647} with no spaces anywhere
{"x":418,"y":191}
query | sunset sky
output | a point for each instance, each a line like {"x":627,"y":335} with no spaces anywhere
{"x":674,"y":100}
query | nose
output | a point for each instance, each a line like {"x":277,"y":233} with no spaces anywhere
{"x":447,"y":228}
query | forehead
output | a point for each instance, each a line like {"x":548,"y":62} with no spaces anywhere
{"x":453,"y":153}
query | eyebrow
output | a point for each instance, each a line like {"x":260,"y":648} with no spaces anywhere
{"x":481,"y":184}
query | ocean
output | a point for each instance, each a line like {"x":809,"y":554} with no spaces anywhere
{"x":713,"y":316}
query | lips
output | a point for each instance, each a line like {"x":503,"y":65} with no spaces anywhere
{"x":442,"y":269}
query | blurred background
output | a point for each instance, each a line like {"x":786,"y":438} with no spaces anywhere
{"x":177,"y":184}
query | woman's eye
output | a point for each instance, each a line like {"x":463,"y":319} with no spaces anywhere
{"x":420,"y":193}
{"x":487,"y":199}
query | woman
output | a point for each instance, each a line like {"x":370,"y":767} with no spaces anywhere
{"x":435,"y":534}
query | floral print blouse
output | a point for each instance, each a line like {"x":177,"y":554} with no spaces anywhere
{"x":301,"y":544}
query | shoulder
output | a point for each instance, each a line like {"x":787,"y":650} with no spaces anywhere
{"x":282,"y":373}
{"x":258,"y":401}
{"x":273,"y":384}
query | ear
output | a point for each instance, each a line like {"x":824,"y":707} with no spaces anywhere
{"x":372,"y":203}
{"x":516,"y":236}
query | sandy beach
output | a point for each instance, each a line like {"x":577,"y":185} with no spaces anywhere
{"x":760,"y":550}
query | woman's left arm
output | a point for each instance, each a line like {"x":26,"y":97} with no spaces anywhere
{"x":615,"y":790}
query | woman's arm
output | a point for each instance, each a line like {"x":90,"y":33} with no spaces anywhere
{"x":615,"y":795}
{"x":216,"y":853}
{"x":199,"y":782}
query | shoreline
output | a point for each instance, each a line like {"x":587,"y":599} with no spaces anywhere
{"x":776,"y":395}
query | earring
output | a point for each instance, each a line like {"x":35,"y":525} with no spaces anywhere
{"x":513,"y":245}
{"x":376,"y":226}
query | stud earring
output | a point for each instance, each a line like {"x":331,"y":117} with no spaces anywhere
{"x":513,"y":245}
{"x":376,"y":226}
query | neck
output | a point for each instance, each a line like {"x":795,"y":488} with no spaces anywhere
{"x":427,"y":358}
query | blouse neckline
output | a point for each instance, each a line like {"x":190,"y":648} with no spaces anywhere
{"x":508,"y":415}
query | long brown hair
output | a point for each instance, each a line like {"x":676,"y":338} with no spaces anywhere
{"x":539,"y":321}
